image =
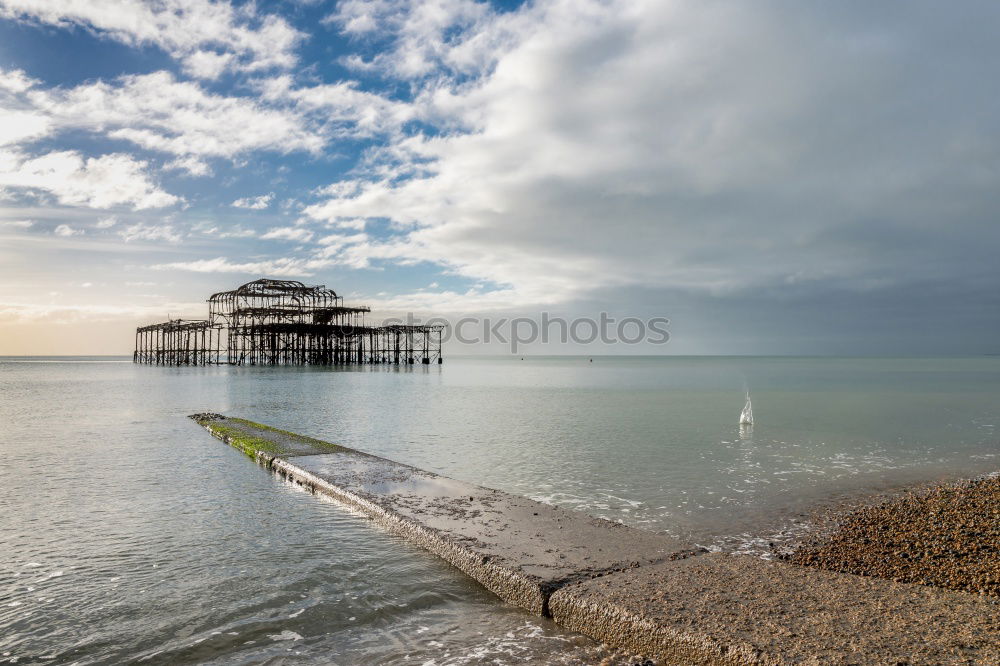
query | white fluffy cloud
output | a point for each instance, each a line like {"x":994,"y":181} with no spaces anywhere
{"x":18,"y":122}
{"x":150,"y":232}
{"x":74,"y":180}
{"x":343,"y":108}
{"x":192,"y":166}
{"x":254,"y":203}
{"x":20,"y":126}
{"x":282,"y":267}
{"x":296,"y":234}
{"x":157,"y":112}
{"x":15,"y":81}
{"x":207,"y":64}
{"x":428,"y":37}
{"x":351,"y":250}
{"x":65,"y":230}
{"x":206,"y":36}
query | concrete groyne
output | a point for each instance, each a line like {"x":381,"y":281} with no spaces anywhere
{"x":635,"y":590}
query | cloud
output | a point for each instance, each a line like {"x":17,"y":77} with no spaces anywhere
{"x":192,"y":165}
{"x":343,"y":108}
{"x":65,"y":230}
{"x":711,"y":154}
{"x":689,"y":147}
{"x":96,"y":182}
{"x":332,"y":250}
{"x":159,"y":113}
{"x":427,"y":38}
{"x":340,"y":240}
{"x":207,"y":64}
{"x":20,"y":126}
{"x":18,"y":121}
{"x":449,"y":302}
{"x":206,"y":36}
{"x":231,"y":232}
{"x":254,"y":203}
{"x":349,"y":250}
{"x":17,"y":224}
{"x":16,"y":81}
{"x":283,"y":267}
{"x":297,"y":234}
{"x":106,"y":222}
{"x":150,"y":232}
{"x":20,"y":313}
{"x":358,"y":223}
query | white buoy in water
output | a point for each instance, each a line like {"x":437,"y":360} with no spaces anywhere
{"x":746,"y":416}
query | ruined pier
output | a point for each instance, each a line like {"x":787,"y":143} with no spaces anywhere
{"x":642,"y":592}
{"x":285,"y":322}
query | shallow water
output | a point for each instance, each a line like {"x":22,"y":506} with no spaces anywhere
{"x":128,"y":534}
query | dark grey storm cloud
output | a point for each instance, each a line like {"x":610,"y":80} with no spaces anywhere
{"x":824,"y":173}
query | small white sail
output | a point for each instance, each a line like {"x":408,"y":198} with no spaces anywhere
{"x":746,"y":416}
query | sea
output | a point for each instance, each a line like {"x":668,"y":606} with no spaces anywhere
{"x":129,"y":535}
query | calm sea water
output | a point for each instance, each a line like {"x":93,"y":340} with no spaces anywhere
{"x":127,"y":534}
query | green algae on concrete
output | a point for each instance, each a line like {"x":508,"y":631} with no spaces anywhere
{"x":258,"y":441}
{"x":520,"y":549}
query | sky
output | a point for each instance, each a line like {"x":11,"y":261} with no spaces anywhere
{"x":774,"y":176}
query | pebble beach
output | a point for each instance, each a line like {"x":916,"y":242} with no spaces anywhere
{"x":945,"y":536}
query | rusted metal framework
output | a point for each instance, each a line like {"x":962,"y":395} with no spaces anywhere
{"x":284,"y":322}
{"x":178,"y":342}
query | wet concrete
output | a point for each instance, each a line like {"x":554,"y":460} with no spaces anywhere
{"x":637,"y":591}
{"x":520,"y":549}
{"x":730,"y":609}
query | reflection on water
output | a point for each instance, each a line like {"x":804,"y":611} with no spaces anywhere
{"x":129,"y":534}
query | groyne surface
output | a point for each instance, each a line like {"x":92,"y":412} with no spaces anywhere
{"x":638,"y":591}
{"x":520,"y":549}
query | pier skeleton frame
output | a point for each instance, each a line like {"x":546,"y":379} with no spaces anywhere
{"x":178,"y":342}
{"x":285,"y":322}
